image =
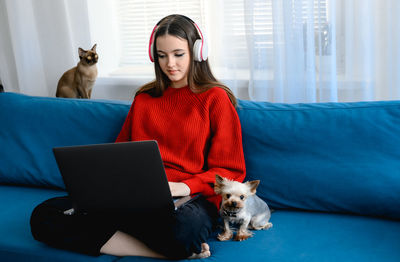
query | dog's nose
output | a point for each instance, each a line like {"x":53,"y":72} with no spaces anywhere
{"x":234,"y":203}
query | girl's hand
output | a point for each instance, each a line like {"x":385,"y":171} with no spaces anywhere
{"x":179,"y":189}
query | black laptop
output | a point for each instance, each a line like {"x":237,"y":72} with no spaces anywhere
{"x":116,"y":177}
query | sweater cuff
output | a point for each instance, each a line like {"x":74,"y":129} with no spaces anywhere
{"x":195,"y":184}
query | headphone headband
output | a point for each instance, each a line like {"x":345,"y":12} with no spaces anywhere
{"x":200,"y":49}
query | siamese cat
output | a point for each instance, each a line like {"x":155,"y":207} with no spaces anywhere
{"x":78,"y":81}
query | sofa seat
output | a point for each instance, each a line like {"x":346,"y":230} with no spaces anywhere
{"x":295,"y":236}
{"x":16,"y":241}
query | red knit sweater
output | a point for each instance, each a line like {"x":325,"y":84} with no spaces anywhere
{"x":199,"y":135}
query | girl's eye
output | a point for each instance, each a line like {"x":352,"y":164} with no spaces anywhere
{"x":179,"y":55}
{"x":161,"y":56}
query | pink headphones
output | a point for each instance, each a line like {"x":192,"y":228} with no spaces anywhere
{"x":200,"y":49}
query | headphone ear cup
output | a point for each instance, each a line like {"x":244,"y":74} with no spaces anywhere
{"x":151,"y":53}
{"x":197,"y":50}
{"x":204,"y":51}
{"x":200,"y":51}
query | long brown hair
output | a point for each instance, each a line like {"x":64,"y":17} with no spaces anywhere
{"x":200,"y":77}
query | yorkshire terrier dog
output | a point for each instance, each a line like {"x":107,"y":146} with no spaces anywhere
{"x":241,"y":206}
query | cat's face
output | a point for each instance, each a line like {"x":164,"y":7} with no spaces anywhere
{"x":88,"y":57}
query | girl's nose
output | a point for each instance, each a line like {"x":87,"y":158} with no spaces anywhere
{"x":171,"y":61}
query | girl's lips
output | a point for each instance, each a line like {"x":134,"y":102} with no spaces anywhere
{"x":172,"y":72}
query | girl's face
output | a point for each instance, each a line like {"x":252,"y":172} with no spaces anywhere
{"x":174,"y":59}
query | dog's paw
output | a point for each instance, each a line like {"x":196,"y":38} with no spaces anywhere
{"x":268,"y":226}
{"x":240,"y":236}
{"x":225,"y":236}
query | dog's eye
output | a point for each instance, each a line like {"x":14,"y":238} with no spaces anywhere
{"x":228,"y":195}
{"x":242,"y":197}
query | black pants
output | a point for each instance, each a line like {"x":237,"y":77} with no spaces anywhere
{"x":175,"y":237}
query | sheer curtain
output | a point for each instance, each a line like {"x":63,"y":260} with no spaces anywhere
{"x":265,"y":50}
{"x":313,"y":50}
{"x":39,"y":42}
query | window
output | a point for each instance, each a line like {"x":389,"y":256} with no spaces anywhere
{"x":250,"y":26}
{"x":124,"y":26}
{"x":136,"y":19}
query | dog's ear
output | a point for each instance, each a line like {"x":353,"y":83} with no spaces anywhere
{"x":253,"y":185}
{"x":219,"y":184}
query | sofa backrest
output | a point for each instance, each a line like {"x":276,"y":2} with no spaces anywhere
{"x":32,"y":126}
{"x":342,"y":157}
{"x":339,"y":157}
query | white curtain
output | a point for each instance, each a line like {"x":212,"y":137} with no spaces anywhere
{"x":267,"y":50}
{"x":39,"y":42}
{"x":313,"y":50}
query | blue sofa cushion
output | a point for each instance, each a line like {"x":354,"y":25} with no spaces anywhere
{"x":32,"y":126}
{"x":340,"y":157}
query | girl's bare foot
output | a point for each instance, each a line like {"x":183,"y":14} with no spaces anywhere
{"x":205,"y":252}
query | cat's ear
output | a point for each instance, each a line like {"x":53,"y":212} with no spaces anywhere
{"x":81,"y":52}
{"x":94,"y":48}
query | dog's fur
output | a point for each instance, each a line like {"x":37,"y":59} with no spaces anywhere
{"x":241,"y":206}
{"x":78,"y":81}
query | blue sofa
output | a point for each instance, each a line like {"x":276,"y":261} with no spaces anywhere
{"x":331,"y":171}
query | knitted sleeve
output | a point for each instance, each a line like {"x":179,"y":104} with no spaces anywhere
{"x":126,"y":130}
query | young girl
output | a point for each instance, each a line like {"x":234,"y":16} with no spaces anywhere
{"x":193,"y":118}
